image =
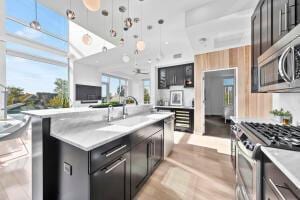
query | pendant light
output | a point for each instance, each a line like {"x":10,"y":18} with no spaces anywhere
{"x":128,"y":21}
{"x":113,"y":32}
{"x":105,"y":14}
{"x":122,"y":10}
{"x":92,"y":5}
{"x":140,"y":45}
{"x":86,"y":38}
{"x":70,"y":13}
{"x":35,"y":24}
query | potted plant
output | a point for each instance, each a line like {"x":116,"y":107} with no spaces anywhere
{"x":282,"y":116}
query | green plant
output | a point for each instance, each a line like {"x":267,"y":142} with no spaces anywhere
{"x":281,"y":113}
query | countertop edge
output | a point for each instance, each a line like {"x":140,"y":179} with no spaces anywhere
{"x":285,"y":171}
{"x":176,"y":107}
{"x":57,"y":136}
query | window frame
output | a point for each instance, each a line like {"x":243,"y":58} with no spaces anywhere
{"x":144,"y":86}
{"x":109,"y":76}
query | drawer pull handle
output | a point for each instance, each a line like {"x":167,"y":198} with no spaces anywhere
{"x":274,"y":186}
{"x":109,"y":169}
{"x":115,"y":151}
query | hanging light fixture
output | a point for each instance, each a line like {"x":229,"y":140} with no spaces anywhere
{"x":92,"y":5}
{"x":86,"y":38}
{"x":128,"y":21}
{"x":105,"y":14}
{"x":70,"y":13}
{"x":140,"y":45}
{"x":35,"y":24}
{"x":113,"y":32}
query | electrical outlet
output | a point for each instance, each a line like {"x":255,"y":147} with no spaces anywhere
{"x":68,"y":168}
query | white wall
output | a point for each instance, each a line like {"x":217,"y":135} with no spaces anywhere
{"x":290,"y":102}
{"x":188,"y":94}
{"x":214,"y":94}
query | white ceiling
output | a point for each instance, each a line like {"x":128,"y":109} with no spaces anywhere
{"x":224,"y":24}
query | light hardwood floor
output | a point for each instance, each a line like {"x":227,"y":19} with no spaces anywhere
{"x":191,"y":172}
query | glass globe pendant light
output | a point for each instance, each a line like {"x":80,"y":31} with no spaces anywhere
{"x":70,"y":13}
{"x":92,"y":5}
{"x":35,"y":24}
{"x":86,"y":38}
{"x":140,"y":45}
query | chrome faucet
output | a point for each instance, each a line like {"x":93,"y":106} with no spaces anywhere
{"x":5,"y":92}
{"x":109,"y":109}
{"x":124,"y":105}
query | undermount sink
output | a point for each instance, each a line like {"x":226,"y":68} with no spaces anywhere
{"x":132,"y":121}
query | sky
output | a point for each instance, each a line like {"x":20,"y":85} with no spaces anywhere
{"x":30,"y":75}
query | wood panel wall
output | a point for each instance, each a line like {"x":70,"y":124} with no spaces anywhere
{"x":249,"y":104}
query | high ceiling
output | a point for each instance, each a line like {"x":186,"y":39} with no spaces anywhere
{"x":191,"y":27}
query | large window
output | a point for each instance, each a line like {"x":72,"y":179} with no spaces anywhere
{"x":36,"y":61}
{"x":146,"y":91}
{"x":113,"y":88}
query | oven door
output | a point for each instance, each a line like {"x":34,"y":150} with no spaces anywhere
{"x":245,"y":172}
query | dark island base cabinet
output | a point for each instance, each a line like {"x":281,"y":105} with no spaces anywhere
{"x":114,"y":171}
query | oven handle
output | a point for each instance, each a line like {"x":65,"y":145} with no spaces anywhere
{"x":282,"y":59}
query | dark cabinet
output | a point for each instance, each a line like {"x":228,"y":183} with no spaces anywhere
{"x":116,"y":176}
{"x":139,"y":166}
{"x":162,"y":78}
{"x":145,"y":157}
{"x":271,"y":20}
{"x":176,"y":75}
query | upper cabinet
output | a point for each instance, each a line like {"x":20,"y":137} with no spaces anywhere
{"x":176,"y":75}
{"x":271,"y":20}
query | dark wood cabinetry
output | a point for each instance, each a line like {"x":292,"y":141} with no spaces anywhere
{"x":176,"y":75}
{"x":271,"y":20}
{"x":145,"y":157}
{"x":116,"y":176}
{"x":114,"y":171}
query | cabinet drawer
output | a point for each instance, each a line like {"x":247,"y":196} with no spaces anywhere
{"x":108,"y":152}
{"x":145,"y":133}
{"x":279,"y":183}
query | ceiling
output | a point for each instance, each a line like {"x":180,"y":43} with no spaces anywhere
{"x":222,"y":24}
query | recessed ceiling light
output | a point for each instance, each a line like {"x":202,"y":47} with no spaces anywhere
{"x":126,"y":58}
{"x":166,"y":42}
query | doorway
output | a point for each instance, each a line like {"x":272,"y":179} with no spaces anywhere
{"x":219,"y":102}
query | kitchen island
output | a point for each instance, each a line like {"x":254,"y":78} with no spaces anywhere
{"x":83,"y":156}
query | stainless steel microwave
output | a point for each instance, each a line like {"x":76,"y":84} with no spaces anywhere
{"x":279,"y":66}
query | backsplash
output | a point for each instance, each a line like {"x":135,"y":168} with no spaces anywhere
{"x":188,"y":94}
{"x":290,"y":102}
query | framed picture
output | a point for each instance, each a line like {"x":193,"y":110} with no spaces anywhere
{"x":176,"y":98}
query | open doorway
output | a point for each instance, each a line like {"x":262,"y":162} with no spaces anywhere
{"x":219,"y":101}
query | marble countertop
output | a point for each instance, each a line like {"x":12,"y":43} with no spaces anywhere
{"x":47,"y":113}
{"x":93,"y":135}
{"x":179,"y":107}
{"x":287,"y":161}
{"x":255,"y":120}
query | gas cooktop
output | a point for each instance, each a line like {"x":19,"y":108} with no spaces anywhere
{"x":277,"y":136}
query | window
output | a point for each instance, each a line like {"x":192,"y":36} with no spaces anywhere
{"x":228,"y":91}
{"x":146,"y":91}
{"x":35,"y":85}
{"x":113,"y":88}
{"x":36,"y":61}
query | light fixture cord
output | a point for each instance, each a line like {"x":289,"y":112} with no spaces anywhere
{"x":112,"y":14}
{"x":128,"y":7}
{"x":35,"y":10}
{"x":141,"y":21}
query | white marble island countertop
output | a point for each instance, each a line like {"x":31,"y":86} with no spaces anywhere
{"x":90,"y":136}
{"x":287,"y":161}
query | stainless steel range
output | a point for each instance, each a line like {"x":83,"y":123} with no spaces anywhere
{"x":249,"y":138}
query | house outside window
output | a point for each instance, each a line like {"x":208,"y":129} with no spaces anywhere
{"x":114,"y":89}
{"x":147,"y":89}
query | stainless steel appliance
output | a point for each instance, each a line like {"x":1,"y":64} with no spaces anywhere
{"x":248,"y":166}
{"x":249,"y":138}
{"x":279,"y":66}
{"x":168,"y":136}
